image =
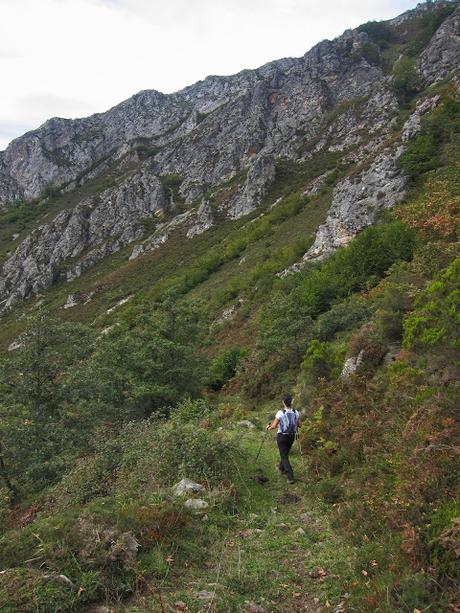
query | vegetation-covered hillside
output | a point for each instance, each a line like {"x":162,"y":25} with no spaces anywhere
{"x":153,"y":374}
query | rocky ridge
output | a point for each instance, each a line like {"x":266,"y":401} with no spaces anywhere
{"x":222,"y":129}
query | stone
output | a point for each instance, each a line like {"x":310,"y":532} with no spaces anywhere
{"x":186,"y":486}
{"x":71,"y":302}
{"x":196,"y":505}
{"x":299,"y":532}
{"x":245,"y":423}
{"x":351,"y":365}
{"x":355,"y":204}
{"x":120,"y":303}
{"x":203,"y":220}
{"x":255,"y":608}
{"x":15,"y":345}
{"x":283,"y":527}
{"x":205,"y":595}
{"x":442,"y":54}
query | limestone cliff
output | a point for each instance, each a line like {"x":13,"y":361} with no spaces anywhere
{"x":169,"y":152}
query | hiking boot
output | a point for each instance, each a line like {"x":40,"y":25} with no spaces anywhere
{"x":291,"y":481}
{"x":279,"y":469}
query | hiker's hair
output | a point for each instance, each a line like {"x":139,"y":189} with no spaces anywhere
{"x":287,"y":399}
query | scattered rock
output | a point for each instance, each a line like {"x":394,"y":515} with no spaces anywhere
{"x":185,"y":486}
{"x":124,"y":548}
{"x":351,"y":365}
{"x":71,"y":302}
{"x":205,"y":595}
{"x":299,"y":532}
{"x":108,"y":329}
{"x":203,"y":220}
{"x":245,"y":423}
{"x":61,"y":579}
{"x":283,"y":527}
{"x":120,"y":303}
{"x":196,"y":504}
{"x":15,"y":345}
{"x":250,"y":532}
{"x":180,"y":606}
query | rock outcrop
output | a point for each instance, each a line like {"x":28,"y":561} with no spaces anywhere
{"x":172,"y":151}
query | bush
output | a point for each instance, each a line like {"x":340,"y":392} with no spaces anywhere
{"x":378,"y":31}
{"x":330,"y":490}
{"x":224,"y":366}
{"x":149,"y":455}
{"x":321,"y":361}
{"x":405,"y":78}
{"x":421,"y":155}
{"x":340,"y":317}
{"x":32,"y":591}
{"x":436,"y":320}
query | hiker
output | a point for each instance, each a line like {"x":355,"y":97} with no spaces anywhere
{"x":287,"y":420}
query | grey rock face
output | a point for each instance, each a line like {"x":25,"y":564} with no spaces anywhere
{"x":356,"y":202}
{"x":442,"y":55}
{"x":100,"y":224}
{"x":413,"y":125}
{"x":204,"y":136}
{"x":203,"y":220}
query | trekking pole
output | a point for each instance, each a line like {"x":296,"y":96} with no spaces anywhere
{"x":261,"y":445}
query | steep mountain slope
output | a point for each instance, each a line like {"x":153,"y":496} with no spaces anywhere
{"x":167,"y":159}
{"x":161,"y":315}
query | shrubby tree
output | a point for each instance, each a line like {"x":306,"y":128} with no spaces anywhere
{"x":39,"y":426}
{"x":146,"y":366}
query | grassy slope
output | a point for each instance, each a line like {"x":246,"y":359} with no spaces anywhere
{"x":270,"y":568}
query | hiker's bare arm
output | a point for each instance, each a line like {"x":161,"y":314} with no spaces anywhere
{"x":274,"y":424}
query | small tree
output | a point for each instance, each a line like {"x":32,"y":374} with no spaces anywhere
{"x":38,"y":420}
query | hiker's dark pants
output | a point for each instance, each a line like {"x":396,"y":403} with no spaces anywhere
{"x":285,"y":442}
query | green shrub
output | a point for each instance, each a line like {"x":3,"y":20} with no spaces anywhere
{"x":405,"y":78}
{"x":321,"y":361}
{"x":32,"y":591}
{"x":330,"y":490}
{"x":224,"y":366}
{"x":342,"y":316}
{"x":436,"y":320}
{"x":427,"y":26}
{"x":420,"y":156}
{"x":378,"y":31}
{"x":197,"y":410}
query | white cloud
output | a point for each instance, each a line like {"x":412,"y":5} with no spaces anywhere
{"x":75,"y":57}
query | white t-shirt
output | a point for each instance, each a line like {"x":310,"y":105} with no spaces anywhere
{"x":281,"y":415}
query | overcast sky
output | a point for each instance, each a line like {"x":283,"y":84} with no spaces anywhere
{"x":71,"y":58}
